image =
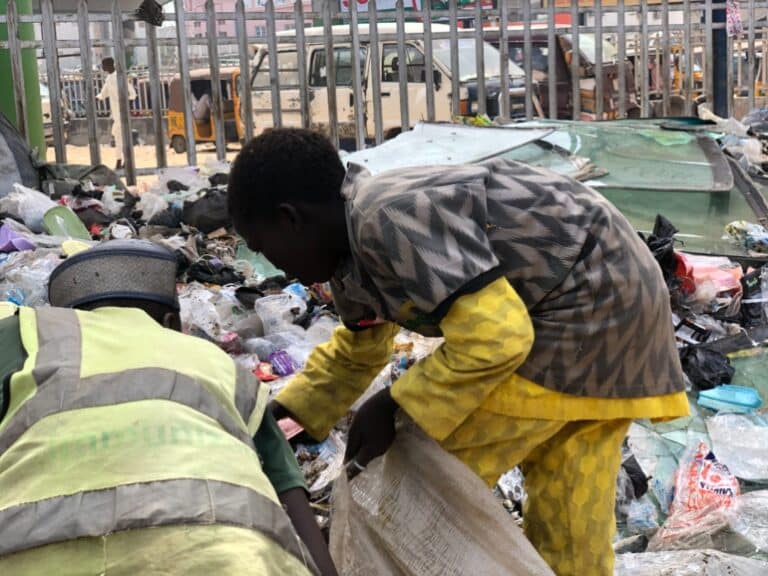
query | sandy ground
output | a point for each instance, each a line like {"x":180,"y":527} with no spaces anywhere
{"x":144,"y":155}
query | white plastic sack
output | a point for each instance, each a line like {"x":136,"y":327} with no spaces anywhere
{"x":418,"y":511}
{"x":27,"y":204}
{"x":687,"y":563}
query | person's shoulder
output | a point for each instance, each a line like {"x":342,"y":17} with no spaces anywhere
{"x":369,"y":194}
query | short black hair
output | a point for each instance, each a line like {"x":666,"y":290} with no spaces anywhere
{"x":283,"y":165}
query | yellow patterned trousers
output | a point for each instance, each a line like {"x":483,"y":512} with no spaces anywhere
{"x":570,"y":475}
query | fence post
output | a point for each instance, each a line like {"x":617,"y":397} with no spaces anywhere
{"x":35,"y":135}
{"x":719,"y":64}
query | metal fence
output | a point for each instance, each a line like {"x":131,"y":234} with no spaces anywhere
{"x":602,"y":59}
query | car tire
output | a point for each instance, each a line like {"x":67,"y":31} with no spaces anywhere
{"x":179,"y":144}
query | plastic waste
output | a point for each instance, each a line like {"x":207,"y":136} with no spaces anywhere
{"x":512,"y":485}
{"x":261,"y":347}
{"x":706,"y":368}
{"x":282,"y":363}
{"x":642,"y":517}
{"x":704,"y":487}
{"x":297,"y":289}
{"x":26,"y":277}
{"x":741,"y":443}
{"x":27,"y":204}
{"x":712,"y":283}
{"x":61,"y":221}
{"x":418,"y":511}
{"x":150,"y":204}
{"x":255,"y":266}
{"x":12,"y":241}
{"x":753,"y":237}
{"x":687,"y":563}
{"x":730,"y":398}
{"x":322,"y":463}
{"x":279,"y":310}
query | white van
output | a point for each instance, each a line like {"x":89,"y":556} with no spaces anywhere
{"x":290,"y":101}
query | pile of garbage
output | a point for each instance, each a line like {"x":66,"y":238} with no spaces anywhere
{"x":692,"y":492}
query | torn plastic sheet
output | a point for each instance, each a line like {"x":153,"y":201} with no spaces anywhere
{"x":687,"y":563}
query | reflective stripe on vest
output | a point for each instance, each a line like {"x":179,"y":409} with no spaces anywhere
{"x":56,"y":367}
{"x":145,"y":505}
{"x":110,"y":389}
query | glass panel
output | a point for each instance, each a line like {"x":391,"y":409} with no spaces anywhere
{"x":318,"y":72}
{"x":652,"y":171}
{"x":441,"y":50}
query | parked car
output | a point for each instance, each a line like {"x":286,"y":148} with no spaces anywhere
{"x":645,"y":167}
{"x":563,"y":77}
{"x":388,"y":65}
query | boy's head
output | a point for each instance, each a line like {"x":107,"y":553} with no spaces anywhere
{"x":108,"y":65}
{"x":285,"y":201}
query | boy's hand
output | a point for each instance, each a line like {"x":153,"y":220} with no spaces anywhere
{"x":372,"y":431}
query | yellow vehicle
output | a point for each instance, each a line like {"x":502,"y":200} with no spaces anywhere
{"x":204,"y":121}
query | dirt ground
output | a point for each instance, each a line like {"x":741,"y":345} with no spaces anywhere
{"x":144,"y":155}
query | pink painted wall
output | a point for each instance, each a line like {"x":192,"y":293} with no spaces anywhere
{"x":227,"y":27}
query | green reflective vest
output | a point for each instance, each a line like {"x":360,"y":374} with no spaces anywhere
{"x":127,"y":449}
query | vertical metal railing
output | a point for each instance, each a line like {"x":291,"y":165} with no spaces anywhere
{"x":155,"y":94}
{"x":301,"y":64}
{"x":17,"y":72}
{"x":88,"y":88}
{"x":375,"y":71}
{"x":402,"y":67}
{"x":274,"y":68}
{"x":575,"y":61}
{"x":54,"y":83}
{"x":330,"y":71}
{"x":666,"y":43}
{"x":599,"y":78}
{"x":687,"y":58}
{"x":454,"y":41}
{"x":217,"y":101}
{"x":183,"y":56}
{"x":358,"y":100}
{"x":621,"y":57}
{"x":429,"y":61}
{"x":552,"y":53}
{"x":124,"y":116}
{"x":504,"y":109}
{"x":528,"y":59}
{"x":480,"y":59}
{"x":246,"y":96}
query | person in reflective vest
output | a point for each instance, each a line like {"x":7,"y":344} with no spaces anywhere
{"x":130,"y":448}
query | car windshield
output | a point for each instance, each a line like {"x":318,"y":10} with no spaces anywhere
{"x":441,"y":49}
{"x":587,"y":48}
{"x":650,"y":171}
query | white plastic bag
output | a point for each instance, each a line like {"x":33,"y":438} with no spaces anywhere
{"x":150,"y":205}
{"x":687,"y":563}
{"x":741,"y":444}
{"x":27,"y":204}
{"x":418,"y":511}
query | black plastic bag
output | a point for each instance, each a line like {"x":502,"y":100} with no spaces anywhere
{"x":706,"y":368}
{"x":209,"y":213}
{"x":661,"y":243}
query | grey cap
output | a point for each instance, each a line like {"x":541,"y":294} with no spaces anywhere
{"x":120,"y":269}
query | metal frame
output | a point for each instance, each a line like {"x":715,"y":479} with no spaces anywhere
{"x":686,"y":40}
